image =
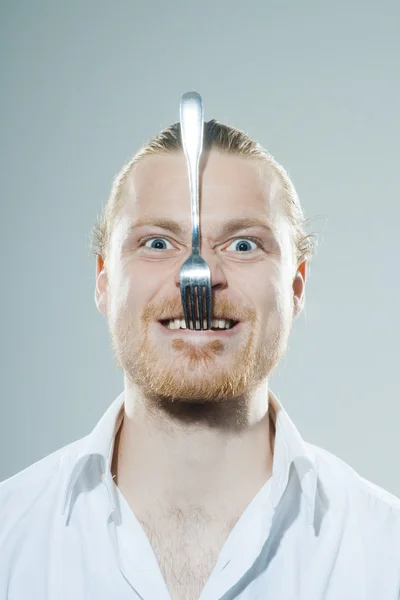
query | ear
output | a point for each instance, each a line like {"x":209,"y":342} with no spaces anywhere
{"x":100,"y":295}
{"x":299,"y":284}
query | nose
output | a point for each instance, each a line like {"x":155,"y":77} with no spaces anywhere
{"x":218,"y":277}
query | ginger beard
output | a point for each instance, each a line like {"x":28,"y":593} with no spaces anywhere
{"x":198,"y":372}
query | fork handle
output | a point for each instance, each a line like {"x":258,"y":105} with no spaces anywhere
{"x":192,"y":125}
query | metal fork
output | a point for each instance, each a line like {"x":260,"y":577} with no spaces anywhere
{"x":195,"y":274}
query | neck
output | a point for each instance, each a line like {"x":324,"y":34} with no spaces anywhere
{"x":189,"y":456}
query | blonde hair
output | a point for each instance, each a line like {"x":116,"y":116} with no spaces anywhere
{"x":216,"y":136}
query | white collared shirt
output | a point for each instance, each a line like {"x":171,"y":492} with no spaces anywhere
{"x":315,"y":531}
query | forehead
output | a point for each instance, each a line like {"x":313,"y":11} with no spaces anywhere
{"x":230,"y":186}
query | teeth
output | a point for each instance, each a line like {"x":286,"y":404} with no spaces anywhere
{"x":215,"y":323}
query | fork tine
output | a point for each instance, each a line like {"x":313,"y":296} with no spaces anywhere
{"x":208,"y":305}
{"x":200,"y":304}
{"x":193,"y":313}
{"x":185,"y":305}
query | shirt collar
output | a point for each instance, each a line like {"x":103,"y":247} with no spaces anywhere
{"x":289,"y":447}
{"x":99,"y":444}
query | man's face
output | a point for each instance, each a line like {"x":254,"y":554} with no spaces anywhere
{"x":252,"y":275}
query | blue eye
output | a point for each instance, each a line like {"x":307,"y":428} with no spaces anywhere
{"x":243,"y":245}
{"x":158,"y":244}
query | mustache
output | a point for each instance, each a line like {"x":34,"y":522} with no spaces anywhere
{"x":171,"y":308}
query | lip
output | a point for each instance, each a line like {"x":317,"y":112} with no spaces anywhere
{"x":200,"y":333}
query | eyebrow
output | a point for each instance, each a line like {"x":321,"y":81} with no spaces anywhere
{"x":228,"y":228}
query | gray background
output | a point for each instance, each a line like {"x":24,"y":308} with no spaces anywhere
{"x":85,"y":83}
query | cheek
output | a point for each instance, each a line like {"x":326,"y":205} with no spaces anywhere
{"x":284,"y":297}
{"x":121,"y":300}
{"x":266,"y":285}
{"x":132,"y":296}
{"x":273,"y":291}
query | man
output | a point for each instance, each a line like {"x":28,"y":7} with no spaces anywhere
{"x":196,"y":483}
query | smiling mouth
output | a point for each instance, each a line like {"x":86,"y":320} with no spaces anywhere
{"x":216,"y":324}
